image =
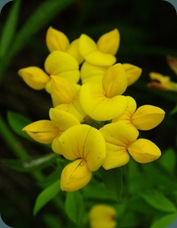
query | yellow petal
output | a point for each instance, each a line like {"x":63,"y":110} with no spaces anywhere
{"x":100,"y":59}
{"x":114,"y":80}
{"x":91,"y":73}
{"x":126,"y":117}
{"x":132,"y":73}
{"x":63,"y":120}
{"x":117,"y":136}
{"x":34,"y":77}
{"x":86,"y":45}
{"x":74,"y":51}
{"x":56,"y":40}
{"x":109,"y":42}
{"x":75,"y":176}
{"x":143,"y":151}
{"x":82,"y":141}
{"x":147,"y":117}
{"x":172,"y":62}
{"x":62,"y":64}
{"x":74,"y":108}
{"x":62,"y":91}
{"x":102,"y":215}
{"x":43,"y":131}
{"x":97,"y":105}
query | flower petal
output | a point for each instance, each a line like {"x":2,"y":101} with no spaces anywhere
{"x":117,"y":136}
{"x":62,"y":64}
{"x":43,"y":131}
{"x":82,"y":141}
{"x":100,"y":59}
{"x":132,"y":73}
{"x":86,"y":45}
{"x":147,"y":117}
{"x":109,"y":42}
{"x":62,"y":91}
{"x":114,"y":80}
{"x":143,"y":151}
{"x":56,"y":40}
{"x":75,"y":176}
{"x":97,"y":105}
{"x":34,"y":77}
{"x":91,"y":73}
{"x":74,"y":51}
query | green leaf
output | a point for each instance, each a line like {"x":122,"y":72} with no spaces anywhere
{"x":31,"y":164}
{"x":45,"y":196}
{"x":8,"y":32}
{"x":17,"y":123}
{"x":113,"y":179}
{"x":74,"y":206}
{"x":40,"y":18}
{"x":158,"y":201}
{"x":174,"y":110}
{"x":168,"y":160}
{"x":164,"y":221}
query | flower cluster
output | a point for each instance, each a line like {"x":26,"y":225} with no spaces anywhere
{"x":91,"y":123}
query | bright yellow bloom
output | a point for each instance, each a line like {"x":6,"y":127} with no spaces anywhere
{"x":121,"y":140}
{"x":65,"y":96}
{"x":162,"y":82}
{"x":103,"y":101}
{"x":86,"y":146}
{"x":102,"y":216}
{"x":45,"y":131}
{"x":100,"y":53}
{"x":117,"y":136}
{"x":57,"y":40}
{"x":57,"y":63}
{"x":132,"y":73}
{"x":145,"y":117}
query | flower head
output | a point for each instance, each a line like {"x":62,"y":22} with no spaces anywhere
{"x":86,"y":146}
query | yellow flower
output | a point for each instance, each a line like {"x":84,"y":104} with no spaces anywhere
{"x":145,"y":117}
{"x":103,"y":101}
{"x":172,"y":62}
{"x":121,"y":140}
{"x":57,"y":40}
{"x":132,"y":73}
{"x":57,"y":63}
{"x":45,"y":131}
{"x":65,"y":96}
{"x":162,"y":82}
{"x":86,"y":146}
{"x":102,"y":216}
{"x":100,"y":53}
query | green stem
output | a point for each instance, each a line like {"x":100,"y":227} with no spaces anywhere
{"x":15,"y":146}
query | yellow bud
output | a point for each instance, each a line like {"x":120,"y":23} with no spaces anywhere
{"x":56,"y":40}
{"x":147,"y":117}
{"x":109,"y":42}
{"x":34,"y":77}
{"x":75,"y":176}
{"x":43,"y":131}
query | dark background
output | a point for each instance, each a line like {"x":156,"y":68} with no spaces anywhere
{"x":148,"y":34}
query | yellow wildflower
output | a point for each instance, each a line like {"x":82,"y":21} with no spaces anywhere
{"x":102,"y":216}
{"x":57,"y":63}
{"x":103,"y":101}
{"x":162,"y":82}
{"x":86,"y":146}
{"x":145,"y":117}
{"x":57,"y":40}
{"x":121,"y":140}
{"x":100,"y":53}
{"x":45,"y":131}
